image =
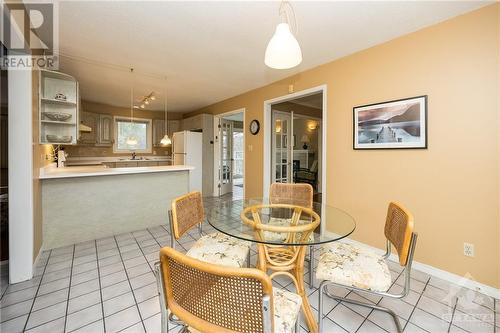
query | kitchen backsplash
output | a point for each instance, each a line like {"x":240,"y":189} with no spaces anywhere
{"x":90,"y":151}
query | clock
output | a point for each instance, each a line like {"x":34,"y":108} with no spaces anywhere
{"x":254,"y":127}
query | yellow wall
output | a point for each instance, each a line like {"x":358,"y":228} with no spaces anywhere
{"x":453,"y":186}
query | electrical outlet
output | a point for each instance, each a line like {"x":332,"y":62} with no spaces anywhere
{"x":468,"y":249}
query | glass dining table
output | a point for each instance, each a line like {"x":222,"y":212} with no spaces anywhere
{"x":283,"y":231}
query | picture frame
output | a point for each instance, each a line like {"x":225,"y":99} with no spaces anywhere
{"x":396,"y":124}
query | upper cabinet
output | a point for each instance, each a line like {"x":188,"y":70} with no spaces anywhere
{"x":105,"y":130}
{"x":158,"y":131}
{"x":58,"y":107}
{"x":193,"y":123}
{"x":102,"y":129}
{"x":91,"y":120}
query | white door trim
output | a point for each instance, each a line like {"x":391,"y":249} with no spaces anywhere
{"x":217,"y":117}
{"x":267,"y":135}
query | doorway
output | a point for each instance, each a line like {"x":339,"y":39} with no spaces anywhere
{"x":229,"y":163}
{"x":294,"y":143}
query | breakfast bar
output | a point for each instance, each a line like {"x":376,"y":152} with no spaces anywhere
{"x":91,"y":202}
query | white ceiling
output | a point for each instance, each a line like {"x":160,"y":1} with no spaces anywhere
{"x":210,"y":50}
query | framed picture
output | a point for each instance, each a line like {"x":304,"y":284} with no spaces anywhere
{"x":399,"y":124}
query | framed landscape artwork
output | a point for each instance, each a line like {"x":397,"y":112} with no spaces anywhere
{"x":391,"y":125}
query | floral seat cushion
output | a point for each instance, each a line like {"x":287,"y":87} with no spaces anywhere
{"x":355,"y":266}
{"x":220,"y":249}
{"x":286,"y":311}
{"x":282,"y":236}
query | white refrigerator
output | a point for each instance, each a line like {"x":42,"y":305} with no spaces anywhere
{"x":187,"y":149}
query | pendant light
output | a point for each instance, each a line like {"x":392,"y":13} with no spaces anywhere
{"x":131,"y":140}
{"x":165,"y":141}
{"x":283,"y":50}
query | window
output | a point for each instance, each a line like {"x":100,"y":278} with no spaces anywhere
{"x":138,"y":128}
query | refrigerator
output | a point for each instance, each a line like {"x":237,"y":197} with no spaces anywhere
{"x":187,"y":149}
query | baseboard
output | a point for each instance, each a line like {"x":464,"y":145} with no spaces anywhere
{"x":463,"y":281}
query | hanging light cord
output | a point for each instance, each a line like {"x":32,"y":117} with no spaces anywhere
{"x":165,"y":104}
{"x":132,"y":96}
{"x":284,"y":12}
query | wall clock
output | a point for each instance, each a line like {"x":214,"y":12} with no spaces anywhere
{"x":254,"y":127}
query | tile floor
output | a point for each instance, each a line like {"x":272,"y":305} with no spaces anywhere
{"x":107,"y":285}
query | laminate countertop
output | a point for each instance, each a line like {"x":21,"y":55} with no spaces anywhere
{"x":51,"y":172}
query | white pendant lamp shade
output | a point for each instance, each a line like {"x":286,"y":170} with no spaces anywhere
{"x":166,"y":141}
{"x":283,"y":50}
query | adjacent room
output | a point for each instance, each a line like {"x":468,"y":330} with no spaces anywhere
{"x":250,"y":166}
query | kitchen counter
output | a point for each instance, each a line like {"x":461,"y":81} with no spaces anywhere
{"x":90,"y":202}
{"x":52,"y":172}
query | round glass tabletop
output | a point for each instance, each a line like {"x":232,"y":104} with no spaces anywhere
{"x":238,"y":218}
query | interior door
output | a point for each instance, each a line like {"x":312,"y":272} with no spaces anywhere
{"x":282,"y":147}
{"x":226,"y":158}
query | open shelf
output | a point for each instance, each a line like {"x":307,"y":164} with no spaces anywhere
{"x":51,"y":84}
{"x":58,"y":102}
{"x":58,"y":122}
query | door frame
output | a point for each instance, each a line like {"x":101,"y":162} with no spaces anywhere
{"x":289,"y":165}
{"x":267,"y":135}
{"x":216,"y":141}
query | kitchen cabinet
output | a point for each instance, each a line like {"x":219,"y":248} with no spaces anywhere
{"x":158,"y":131}
{"x":125,"y":164}
{"x":91,"y":120}
{"x":193,"y":123}
{"x":147,"y":164}
{"x":164,"y":163}
{"x":105,"y":130}
{"x":174,"y":126}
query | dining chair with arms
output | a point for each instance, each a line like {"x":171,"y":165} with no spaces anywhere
{"x":187,"y":213}
{"x":294,"y":194}
{"x":211,"y":298}
{"x":359,"y":268}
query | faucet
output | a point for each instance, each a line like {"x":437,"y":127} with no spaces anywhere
{"x":134,"y":155}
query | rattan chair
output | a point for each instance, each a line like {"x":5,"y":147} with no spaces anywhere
{"x":360,"y":269}
{"x":294,"y":194}
{"x":187,"y":212}
{"x":218,"y":299}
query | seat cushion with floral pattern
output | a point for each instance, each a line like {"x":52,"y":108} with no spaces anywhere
{"x":286,"y":311}
{"x":282,"y":236}
{"x":220,"y":249}
{"x":353,"y":265}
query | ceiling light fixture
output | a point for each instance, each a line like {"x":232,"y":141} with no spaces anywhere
{"x":283,"y":50}
{"x":165,"y":141}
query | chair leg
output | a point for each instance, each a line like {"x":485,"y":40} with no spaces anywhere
{"x":164,"y":313}
{"x":248,"y":258}
{"x":320,"y":306}
{"x":311,"y":266}
{"x":373,"y":306}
